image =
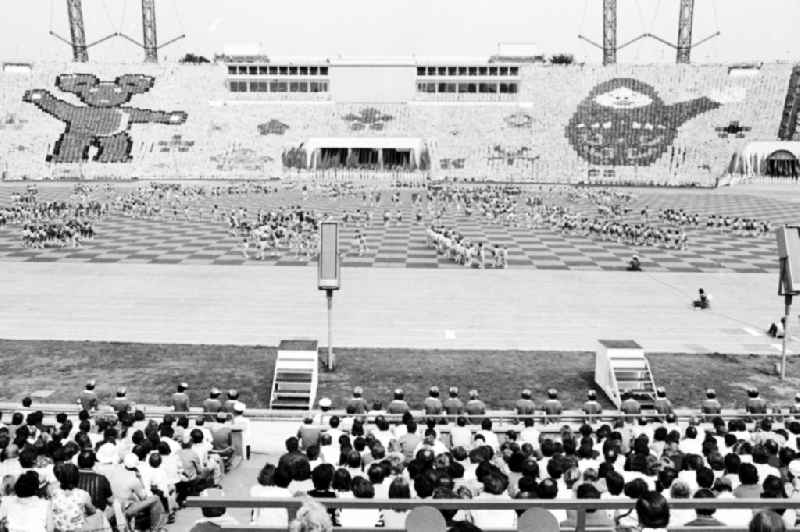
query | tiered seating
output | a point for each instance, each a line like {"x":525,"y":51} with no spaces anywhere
{"x":465,"y":139}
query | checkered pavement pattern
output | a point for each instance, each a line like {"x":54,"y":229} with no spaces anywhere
{"x":198,"y":240}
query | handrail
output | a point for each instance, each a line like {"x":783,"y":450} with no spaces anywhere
{"x":484,"y":504}
{"x":682,"y":414}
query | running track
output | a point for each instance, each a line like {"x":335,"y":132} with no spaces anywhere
{"x":392,"y":307}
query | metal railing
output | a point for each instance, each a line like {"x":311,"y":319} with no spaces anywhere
{"x":579,"y":506}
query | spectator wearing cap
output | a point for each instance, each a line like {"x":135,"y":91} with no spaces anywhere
{"x":233,"y":398}
{"x":552,"y":406}
{"x":398,"y":405}
{"x":121,"y":403}
{"x":180,"y":399}
{"x":475,"y":407}
{"x":88,"y":397}
{"x":357,"y":404}
{"x":591,"y":407}
{"x":630,"y":406}
{"x":134,"y":496}
{"x":710,"y":406}
{"x":432,"y":404}
{"x":212,"y":405}
{"x":755,"y":404}
{"x":662,"y":404}
{"x":525,"y":405}
{"x":241,"y":423}
{"x":453,"y":406}
{"x":325,"y":405}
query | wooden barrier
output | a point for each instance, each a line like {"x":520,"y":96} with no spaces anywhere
{"x":579,"y":506}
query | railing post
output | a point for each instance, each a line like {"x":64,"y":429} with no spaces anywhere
{"x":580,"y":521}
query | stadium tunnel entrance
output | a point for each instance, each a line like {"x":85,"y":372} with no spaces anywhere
{"x":367,"y":153}
{"x":783,"y":163}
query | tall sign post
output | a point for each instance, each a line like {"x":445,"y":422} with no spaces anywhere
{"x":789,"y":280}
{"x":328,"y":276}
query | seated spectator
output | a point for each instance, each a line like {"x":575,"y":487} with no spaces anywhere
{"x":311,"y":517}
{"x":398,"y":489}
{"x":70,"y":505}
{"x":766,"y":521}
{"x":25,"y":510}
{"x":214,"y":518}
{"x":703,"y":300}
{"x":495,"y":484}
{"x":705,"y":516}
{"x":652,"y":512}
{"x":357,"y":517}
{"x":272,"y":482}
{"x":594,"y":518}
{"x":679,"y":517}
{"x":749,"y":487}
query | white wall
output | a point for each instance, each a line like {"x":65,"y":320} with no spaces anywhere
{"x":372,"y":83}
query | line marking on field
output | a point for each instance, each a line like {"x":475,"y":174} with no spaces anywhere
{"x":449,"y":334}
{"x":777,"y":347}
{"x":751,"y":331}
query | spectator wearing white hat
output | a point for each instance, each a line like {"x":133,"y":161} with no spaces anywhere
{"x":432,"y":404}
{"x":121,"y":403}
{"x":242,"y":423}
{"x":398,"y":404}
{"x":475,"y":407}
{"x":453,"y":406}
{"x":212,"y":405}
{"x":180,"y":399}
{"x":88,"y":397}
{"x":356,"y":404}
{"x":552,"y":406}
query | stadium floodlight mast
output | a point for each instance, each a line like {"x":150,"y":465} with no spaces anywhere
{"x":329,"y":276}
{"x":789,"y":281}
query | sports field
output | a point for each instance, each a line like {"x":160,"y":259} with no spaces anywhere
{"x":150,"y":372}
{"x":193,"y":238}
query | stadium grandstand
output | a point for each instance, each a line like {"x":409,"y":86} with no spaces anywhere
{"x":481,"y":222}
{"x":248,"y":116}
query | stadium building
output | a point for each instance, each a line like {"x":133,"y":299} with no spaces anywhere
{"x":503,"y":117}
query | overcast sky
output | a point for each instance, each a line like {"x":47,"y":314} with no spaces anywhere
{"x":763,"y":29}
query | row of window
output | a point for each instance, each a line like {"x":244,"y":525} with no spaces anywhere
{"x":483,"y":88}
{"x":278,"y":86}
{"x":467,"y":71}
{"x":269,"y":70}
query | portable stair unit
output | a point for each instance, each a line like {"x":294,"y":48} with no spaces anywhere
{"x":294,"y":386}
{"x":621,"y":366}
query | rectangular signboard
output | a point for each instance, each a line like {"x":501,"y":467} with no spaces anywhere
{"x":328,"y":273}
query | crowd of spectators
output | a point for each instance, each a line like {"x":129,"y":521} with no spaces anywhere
{"x":648,"y":459}
{"x":111,"y":468}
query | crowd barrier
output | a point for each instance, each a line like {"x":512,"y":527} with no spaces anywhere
{"x":579,"y":506}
